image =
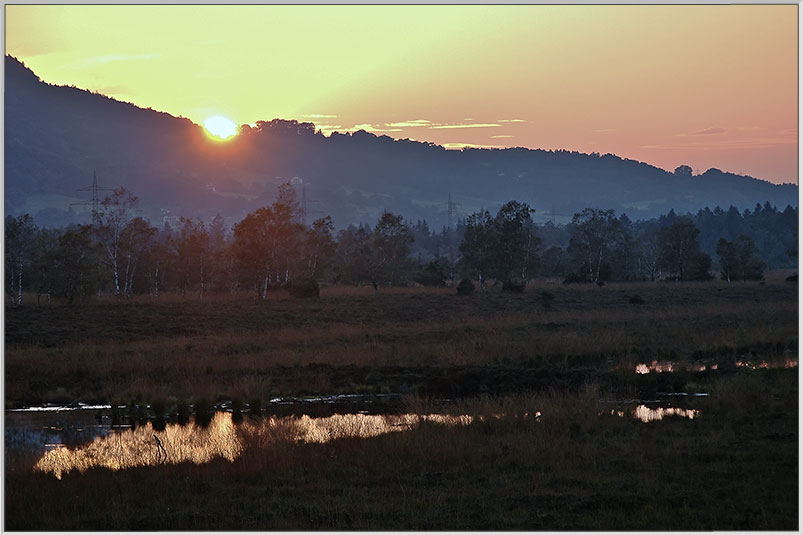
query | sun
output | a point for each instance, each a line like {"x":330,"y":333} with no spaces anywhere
{"x":220,"y":127}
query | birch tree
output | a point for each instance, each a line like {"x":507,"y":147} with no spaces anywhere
{"x":113,"y":216}
{"x":20,"y":240}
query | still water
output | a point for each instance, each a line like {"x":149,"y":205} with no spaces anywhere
{"x":66,"y":439}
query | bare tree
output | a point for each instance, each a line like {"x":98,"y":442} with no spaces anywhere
{"x":113,"y":216}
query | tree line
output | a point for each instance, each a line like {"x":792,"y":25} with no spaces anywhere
{"x":272,"y":248}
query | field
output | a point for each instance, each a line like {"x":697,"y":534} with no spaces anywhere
{"x":566,"y":353}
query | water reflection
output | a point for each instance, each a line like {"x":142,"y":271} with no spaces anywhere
{"x":145,"y":446}
{"x":646,"y":414}
{"x":137,"y":447}
{"x":668,"y":367}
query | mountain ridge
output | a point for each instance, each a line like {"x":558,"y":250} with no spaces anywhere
{"x":57,"y":136}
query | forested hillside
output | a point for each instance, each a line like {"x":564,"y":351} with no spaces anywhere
{"x":57,"y":137}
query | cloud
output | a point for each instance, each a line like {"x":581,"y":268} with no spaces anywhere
{"x":472,"y":125}
{"x":511,"y":121}
{"x":318,"y":116}
{"x":370,"y":128}
{"x":119,"y":57}
{"x":724,"y":144}
{"x":470,"y":146}
{"x":499,"y":137}
{"x":328,"y":127}
{"x":410,"y":124}
{"x":706,"y":132}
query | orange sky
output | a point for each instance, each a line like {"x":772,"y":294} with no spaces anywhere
{"x":707,"y":86}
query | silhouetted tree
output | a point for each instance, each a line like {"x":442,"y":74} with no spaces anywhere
{"x":594,"y":236}
{"x":680,"y":250}
{"x":390,"y":246}
{"x":20,"y":241}
{"x":135,"y":239}
{"x":113,"y":216}
{"x":739,"y":260}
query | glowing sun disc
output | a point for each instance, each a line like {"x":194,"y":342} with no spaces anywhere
{"x":220,"y":126}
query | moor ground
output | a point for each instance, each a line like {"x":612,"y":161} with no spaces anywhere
{"x":408,"y":341}
{"x":577,"y":466}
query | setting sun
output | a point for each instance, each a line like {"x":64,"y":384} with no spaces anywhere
{"x":220,"y":127}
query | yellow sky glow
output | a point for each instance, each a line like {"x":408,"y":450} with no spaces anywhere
{"x":707,"y":86}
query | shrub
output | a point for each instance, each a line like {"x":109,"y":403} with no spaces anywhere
{"x":466,"y":287}
{"x":513,"y":286}
{"x":309,"y":288}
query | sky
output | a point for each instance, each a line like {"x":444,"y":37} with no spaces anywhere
{"x":706,"y":86}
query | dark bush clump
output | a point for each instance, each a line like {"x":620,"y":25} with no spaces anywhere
{"x":309,"y":288}
{"x":573,"y":278}
{"x":513,"y":286}
{"x":636,"y":300}
{"x":466,"y":287}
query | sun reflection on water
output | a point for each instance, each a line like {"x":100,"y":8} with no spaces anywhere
{"x":222,"y":439}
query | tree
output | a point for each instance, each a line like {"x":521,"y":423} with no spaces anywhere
{"x":353,"y":255}
{"x":319,"y":248}
{"x":390,"y":245}
{"x":680,"y":252}
{"x":135,"y":238}
{"x":76,"y":263}
{"x":477,"y":247}
{"x":594,"y":235}
{"x":683,"y":170}
{"x":739,"y":260}
{"x":267,"y":243}
{"x":192,"y":252}
{"x":515,"y":243}
{"x":20,"y":239}
{"x":112,"y":218}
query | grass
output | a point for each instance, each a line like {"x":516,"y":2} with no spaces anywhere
{"x":733,"y":467}
{"x":390,"y":342}
{"x":572,"y":358}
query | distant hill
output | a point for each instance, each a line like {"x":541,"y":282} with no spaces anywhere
{"x":57,"y":136}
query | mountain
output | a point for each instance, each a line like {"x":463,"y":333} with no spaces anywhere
{"x":56,"y":137}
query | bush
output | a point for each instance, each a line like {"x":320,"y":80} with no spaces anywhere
{"x":308,"y":288}
{"x":513,"y":286}
{"x":466,"y":287}
{"x":636,"y":300}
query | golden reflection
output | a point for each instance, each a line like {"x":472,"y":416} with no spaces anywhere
{"x":646,"y":414}
{"x":660,"y":367}
{"x":146,"y":447}
{"x":138,"y":447}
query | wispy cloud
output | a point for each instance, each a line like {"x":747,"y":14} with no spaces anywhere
{"x":371,"y":128}
{"x":327,"y":128}
{"x":499,"y":137}
{"x":470,"y":146}
{"x":410,"y":124}
{"x":756,"y":143}
{"x":511,"y":121}
{"x":318,"y":116}
{"x":471,"y":125}
{"x":706,"y":132}
{"x":119,"y":57}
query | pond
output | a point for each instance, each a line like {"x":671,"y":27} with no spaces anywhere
{"x":64,"y":439}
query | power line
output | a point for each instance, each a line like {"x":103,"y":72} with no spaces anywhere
{"x":95,"y":200}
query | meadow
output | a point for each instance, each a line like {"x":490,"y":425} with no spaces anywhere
{"x":567,"y":353}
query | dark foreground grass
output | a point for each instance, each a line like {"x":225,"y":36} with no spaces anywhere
{"x":733,"y":467}
{"x":428,"y":342}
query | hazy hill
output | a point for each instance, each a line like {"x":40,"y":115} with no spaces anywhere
{"x":56,"y":136}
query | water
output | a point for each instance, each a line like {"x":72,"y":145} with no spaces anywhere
{"x":66,"y":439}
{"x":668,"y":367}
